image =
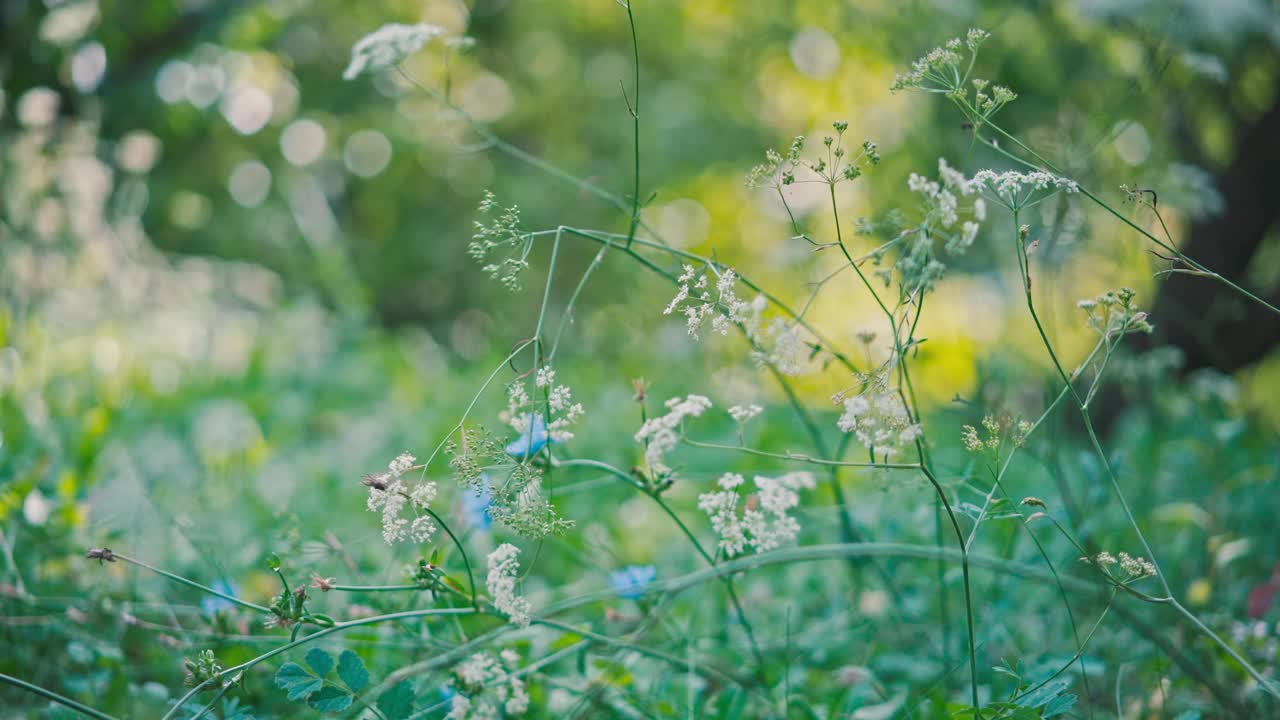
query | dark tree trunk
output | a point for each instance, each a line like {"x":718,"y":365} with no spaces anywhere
{"x":1211,"y":324}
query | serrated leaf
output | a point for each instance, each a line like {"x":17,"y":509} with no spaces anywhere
{"x":320,"y":661}
{"x":397,"y":703}
{"x":352,"y":671}
{"x":330,"y":698}
{"x":295,"y":680}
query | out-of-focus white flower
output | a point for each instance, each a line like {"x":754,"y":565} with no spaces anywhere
{"x":388,"y":45}
{"x":660,"y":434}
{"x":879,"y":419}
{"x":486,"y":688}
{"x":744,"y":413}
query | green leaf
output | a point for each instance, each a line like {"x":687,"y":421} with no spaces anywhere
{"x":1042,"y":696}
{"x":352,"y":671}
{"x":1059,"y":706}
{"x":320,"y":661}
{"x":397,"y":703}
{"x":330,"y":698}
{"x":294,"y":679}
{"x":273,"y":561}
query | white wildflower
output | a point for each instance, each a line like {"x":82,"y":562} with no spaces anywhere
{"x":879,"y":419}
{"x":545,"y":376}
{"x":660,"y":434}
{"x":489,"y":688}
{"x":1136,"y":567}
{"x":780,"y":347}
{"x":1014,"y":189}
{"x":401,"y":464}
{"x":517,"y":398}
{"x":477,"y":670}
{"x":1131,"y":568}
{"x":501,"y":582}
{"x":764,"y":523}
{"x":1114,"y":313}
{"x":388,"y":45}
{"x":743,"y":413}
{"x":459,"y":707}
{"x":694,"y":301}
{"x":560,"y":407}
{"x":389,"y":496}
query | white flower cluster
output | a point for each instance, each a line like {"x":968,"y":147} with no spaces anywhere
{"x":1015,"y":189}
{"x":490,"y":688}
{"x":388,"y":45}
{"x":764,"y":523}
{"x":1114,"y":313}
{"x":1132,"y":568}
{"x":778,"y":344}
{"x":741,"y":414}
{"x":939,"y":69}
{"x":661,"y":434}
{"x":389,"y":495}
{"x":501,"y":582}
{"x":941,"y":203}
{"x":693,"y":300}
{"x":878,"y":418}
{"x":918,"y":264}
{"x":563,"y":411}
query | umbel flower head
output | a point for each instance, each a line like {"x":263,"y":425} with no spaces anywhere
{"x":764,"y":523}
{"x":878,"y":417}
{"x":661,"y":434}
{"x":1016,"y":190}
{"x":389,"y":496}
{"x":501,"y":582}
{"x":775,"y":344}
{"x":388,"y":45}
{"x":945,"y":70}
{"x":486,"y":687}
{"x":1114,"y":313}
{"x":939,"y":69}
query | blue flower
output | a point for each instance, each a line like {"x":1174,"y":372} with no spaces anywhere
{"x":630,"y":581}
{"x":475,"y":505}
{"x":212,"y":604}
{"x":532,"y":440}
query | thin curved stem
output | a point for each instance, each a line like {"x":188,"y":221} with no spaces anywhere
{"x":54,"y":697}
{"x":191,"y":583}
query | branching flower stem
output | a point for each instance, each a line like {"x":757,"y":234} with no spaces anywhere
{"x":693,"y":540}
{"x":1082,"y":406}
{"x":921,"y":451}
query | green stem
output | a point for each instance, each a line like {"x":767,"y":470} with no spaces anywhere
{"x":196,"y":585}
{"x":797,"y":457}
{"x":375,"y":588}
{"x":635,"y":116}
{"x":475,"y":603}
{"x":54,"y":697}
{"x":693,"y":540}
